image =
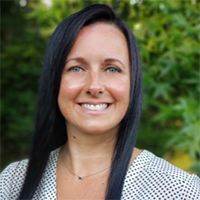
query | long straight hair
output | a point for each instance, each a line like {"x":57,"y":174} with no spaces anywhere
{"x":50,"y":129}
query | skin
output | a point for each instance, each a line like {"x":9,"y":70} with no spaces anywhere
{"x":97,"y":71}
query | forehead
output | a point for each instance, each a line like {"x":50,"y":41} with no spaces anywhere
{"x":102,"y":29}
{"x":100,"y":38}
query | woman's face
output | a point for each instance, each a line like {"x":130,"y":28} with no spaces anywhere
{"x":95,"y":83}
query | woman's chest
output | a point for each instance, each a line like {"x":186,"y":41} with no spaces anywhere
{"x":90,"y":188}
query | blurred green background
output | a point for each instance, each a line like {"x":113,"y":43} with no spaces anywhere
{"x":168,"y":36}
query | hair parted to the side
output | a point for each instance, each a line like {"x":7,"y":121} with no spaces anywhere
{"x":50,"y":128}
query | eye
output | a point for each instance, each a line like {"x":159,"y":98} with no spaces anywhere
{"x":75,"y":69}
{"x":113,"y":70}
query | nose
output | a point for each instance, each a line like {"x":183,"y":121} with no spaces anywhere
{"x":95,"y":85}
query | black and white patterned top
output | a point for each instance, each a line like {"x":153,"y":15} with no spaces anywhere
{"x":149,"y":177}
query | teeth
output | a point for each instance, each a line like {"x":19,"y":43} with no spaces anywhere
{"x":95,"y":107}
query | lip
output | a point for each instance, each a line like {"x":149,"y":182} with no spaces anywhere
{"x":95,"y":112}
{"x":93,"y":103}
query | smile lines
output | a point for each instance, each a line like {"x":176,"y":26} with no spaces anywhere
{"x":97,"y":107}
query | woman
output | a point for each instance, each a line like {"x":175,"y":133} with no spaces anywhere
{"x":88,"y":115}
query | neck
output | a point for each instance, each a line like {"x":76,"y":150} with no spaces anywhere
{"x":86,"y":154}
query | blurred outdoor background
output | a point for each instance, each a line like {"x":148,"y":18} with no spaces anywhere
{"x":168,"y":37}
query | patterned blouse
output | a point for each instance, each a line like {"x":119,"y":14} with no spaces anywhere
{"x":149,"y":177}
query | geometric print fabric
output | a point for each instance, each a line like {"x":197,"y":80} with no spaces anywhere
{"x":149,"y":177}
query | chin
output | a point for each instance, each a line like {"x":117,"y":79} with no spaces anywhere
{"x":95,"y":130}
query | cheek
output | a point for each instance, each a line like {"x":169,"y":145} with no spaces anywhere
{"x":121,"y":90}
{"x":69,"y":89}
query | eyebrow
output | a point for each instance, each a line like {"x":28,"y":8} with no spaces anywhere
{"x":114,"y":60}
{"x":81,"y":59}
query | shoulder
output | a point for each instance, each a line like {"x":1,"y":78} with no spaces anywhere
{"x":17,"y":169}
{"x":11,"y":179}
{"x":154,"y":177}
{"x":13,"y":176}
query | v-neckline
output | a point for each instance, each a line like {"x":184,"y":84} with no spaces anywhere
{"x":53,"y":159}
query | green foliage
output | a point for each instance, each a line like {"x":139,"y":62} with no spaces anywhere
{"x":22,"y":52}
{"x":168,"y":38}
{"x":169,"y":46}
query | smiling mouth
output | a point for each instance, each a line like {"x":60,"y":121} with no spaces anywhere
{"x":97,"y":107}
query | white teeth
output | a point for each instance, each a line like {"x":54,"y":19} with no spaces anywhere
{"x":95,"y":107}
